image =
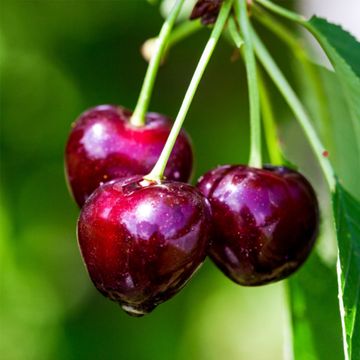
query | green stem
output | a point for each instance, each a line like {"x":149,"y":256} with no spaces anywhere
{"x":157,"y":172}
{"x":277,"y":28}
{"x":138,"y":117}
{"x":281,"y":11}
{"x":312,"y":79}
{"x":183,"y":31}
{"x":296,"y":106}
{"x":271,"y":136}
{"x":250,"y":63}
{"x":233,"y":33}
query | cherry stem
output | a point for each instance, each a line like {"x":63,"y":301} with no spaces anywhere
{"x":233,"y":33}
{"x":139,"y":116}
{"x":271,"y":135}
{"x":312,"y":79}
{"x":181,"y":32}
{"x":296,"y":106}
{"x":255,"y":159}
{"x":282,"y":11}
{"x":157,"y":172}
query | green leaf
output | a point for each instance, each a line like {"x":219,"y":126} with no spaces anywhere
{"x":340,"y":136}
{"x":342,"y":41}
{"x":347,"y":219}
{"x":344,"y":53}
{"x":316,"y":323}
{"x":331,"y":115}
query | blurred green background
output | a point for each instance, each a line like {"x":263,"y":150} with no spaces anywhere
{"x":59,"y":58}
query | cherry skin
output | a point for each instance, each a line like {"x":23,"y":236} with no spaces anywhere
{"x":103,"y":145}
{"x":141,"y":241}
{"x":265,"y":221}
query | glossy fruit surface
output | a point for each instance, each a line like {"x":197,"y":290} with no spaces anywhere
{"x":265,"y":221}
{"x":103,"y":145}
{"x":141,"y":241}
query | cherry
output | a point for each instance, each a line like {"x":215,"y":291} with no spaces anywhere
{"x":141,"y":241}
{"x":265,"y":221}
{"x":103,"y":145}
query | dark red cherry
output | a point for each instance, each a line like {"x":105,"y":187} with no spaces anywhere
{"x":141,"y":242}
{"x":265,"y":221}
{"x":103,"y":145}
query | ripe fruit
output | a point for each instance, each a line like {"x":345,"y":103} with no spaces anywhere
{"x":103,"y":145}
{"x":265,"y":221}
{"x":142,"y":241}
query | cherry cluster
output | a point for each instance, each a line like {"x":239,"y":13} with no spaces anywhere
{"x":142,"y":239}
{"x":144,"y":230}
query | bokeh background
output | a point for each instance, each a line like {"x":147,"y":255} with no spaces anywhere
{"x":59,"y":58}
